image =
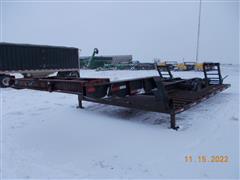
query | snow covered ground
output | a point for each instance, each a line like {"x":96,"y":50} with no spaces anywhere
{"x":45,"y":136}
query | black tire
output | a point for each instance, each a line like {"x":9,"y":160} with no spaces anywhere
{"x":197,"y":84}
{"x":5,"y":81}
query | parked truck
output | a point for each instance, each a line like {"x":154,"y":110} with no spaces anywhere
{"x":37,"y":61}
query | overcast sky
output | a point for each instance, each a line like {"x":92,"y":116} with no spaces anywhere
{"x":147,"y":30}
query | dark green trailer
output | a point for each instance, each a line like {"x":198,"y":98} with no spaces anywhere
{"x":36,"y":60}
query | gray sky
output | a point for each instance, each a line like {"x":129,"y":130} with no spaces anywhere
{"x":147,"y":30}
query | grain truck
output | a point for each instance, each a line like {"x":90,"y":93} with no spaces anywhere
{"x":37,"y":61}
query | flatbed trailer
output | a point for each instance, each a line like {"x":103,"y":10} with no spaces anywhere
{"x":157,"y":93}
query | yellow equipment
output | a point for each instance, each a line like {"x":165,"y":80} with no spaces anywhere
{"x":181,"y":67}
{"x":199,"y":66}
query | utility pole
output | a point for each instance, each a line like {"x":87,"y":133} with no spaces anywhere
{"x":198,"y":31}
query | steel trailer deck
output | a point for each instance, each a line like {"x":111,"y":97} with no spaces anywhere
{"x":159,"y":94}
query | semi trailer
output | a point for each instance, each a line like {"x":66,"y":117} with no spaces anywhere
{"x":37,"y":61}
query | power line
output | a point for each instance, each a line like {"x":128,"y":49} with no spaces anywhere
{"x":198,"y":33}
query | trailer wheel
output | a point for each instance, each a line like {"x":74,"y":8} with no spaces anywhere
{"x":5,"y":81}
{"x":197,"y":84}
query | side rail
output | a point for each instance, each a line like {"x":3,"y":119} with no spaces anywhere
{"x":72,"y":86}
{"x":142,"y":93}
